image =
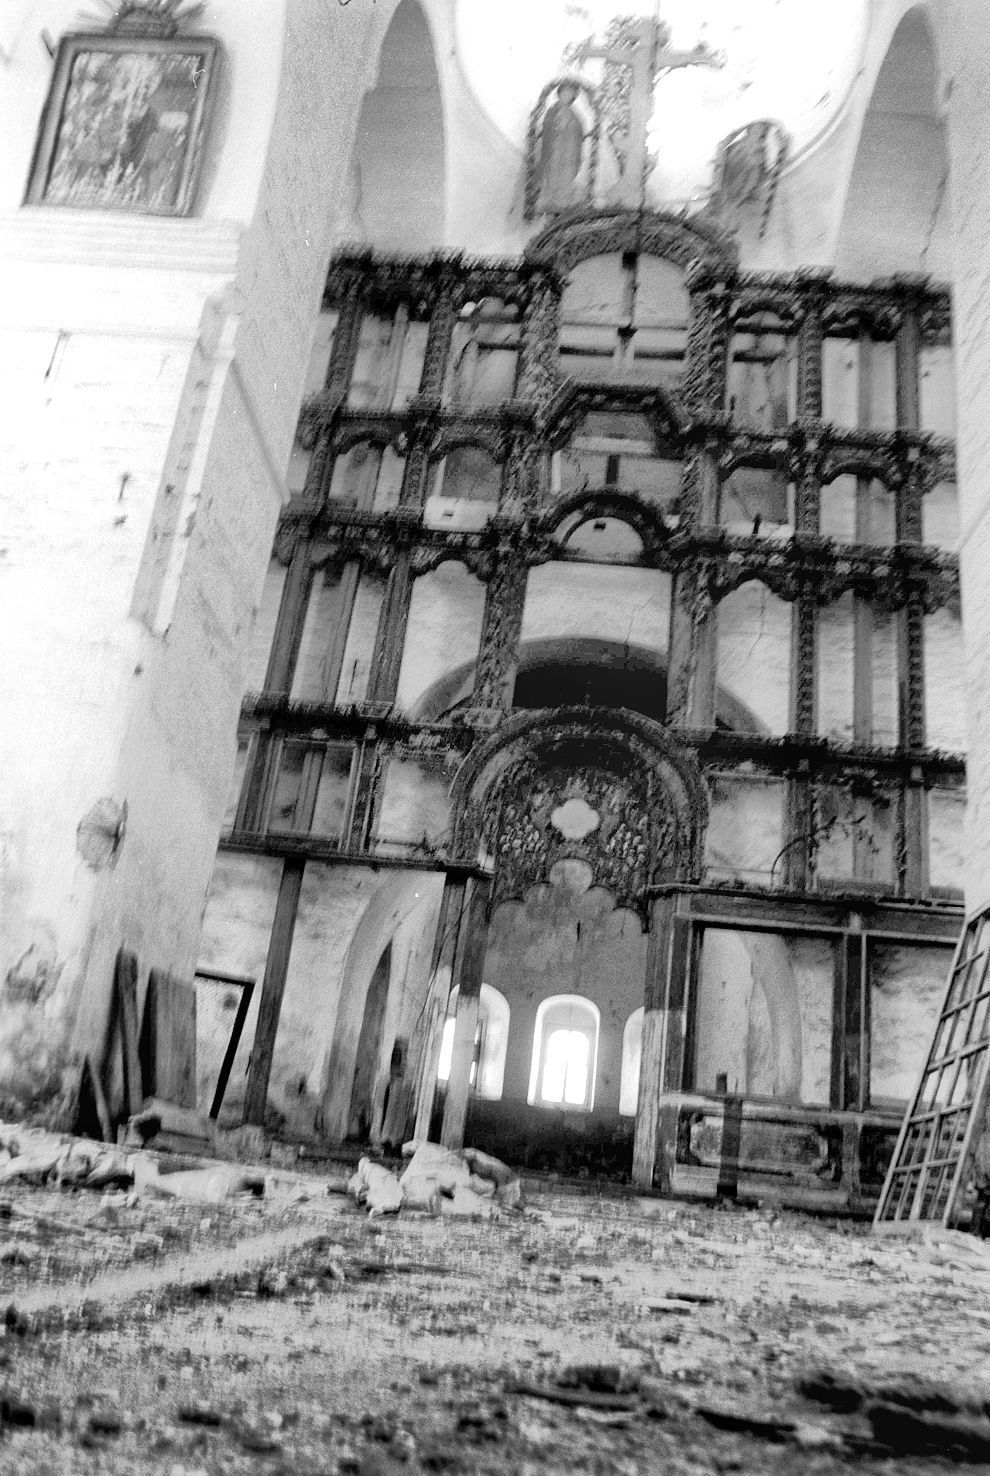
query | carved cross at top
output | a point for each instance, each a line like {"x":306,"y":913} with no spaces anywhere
{"x":635,"y":52}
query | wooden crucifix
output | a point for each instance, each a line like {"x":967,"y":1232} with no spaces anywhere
{"x":635,"y":53}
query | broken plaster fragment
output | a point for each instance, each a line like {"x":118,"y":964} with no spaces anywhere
{"x":376,"y":1187}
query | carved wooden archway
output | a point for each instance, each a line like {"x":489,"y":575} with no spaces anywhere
{"x":612,"y":789}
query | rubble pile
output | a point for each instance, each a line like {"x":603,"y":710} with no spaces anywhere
{"x":437,"y":1180}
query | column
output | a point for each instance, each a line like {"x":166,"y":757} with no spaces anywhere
{"x":343,"y":354}
{"x":810,"y":399}
{"x":435,"y":1013}
{"x":272,"y":990}
{"x":797,"y":856}
{"x":278,"y":682}
{"x":706,"y":358}
{"x":913,"y":816}
{"x":647,"y":1138}
{"x":539,"y":375}
{"x":505,"y":598}
{"x":391,"y":636}
{"x":469,"y":963}
{"x":443,"y":316}
{"x":675,"y":1063}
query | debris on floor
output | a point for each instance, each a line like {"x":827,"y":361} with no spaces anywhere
{"x":440,"y":1181}
{"x":146,"y":1333}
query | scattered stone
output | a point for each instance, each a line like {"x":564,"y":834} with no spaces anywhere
{"x":198,"y":1412}
{"x":765,"y":1427}
{"x":376,"y":1187}
{"x":917,"y":1432}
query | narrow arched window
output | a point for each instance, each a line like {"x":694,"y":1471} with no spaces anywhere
{"x":565,"y":1053}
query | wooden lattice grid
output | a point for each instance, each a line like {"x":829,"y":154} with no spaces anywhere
{"x":947,"y":1113}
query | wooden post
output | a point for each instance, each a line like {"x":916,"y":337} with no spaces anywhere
{"x":498,"y":652}
{"x":647,"y":1135}
{"x":675,"y":1045}
{"x":680,"y":646}
{"x":125,"y":1000}
{"x":291,"y":620}
{"x":435,"y":1011}
{"x":850,"y":1053}
{"x":391,"y":637}
{"x":272,"y":990}
{"x":468,"y":966}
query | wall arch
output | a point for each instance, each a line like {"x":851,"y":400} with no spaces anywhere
{"x":396,"y":190}
{"x":582,"y":234}
{"x":395,"y":901}
{"x":896,"y":213}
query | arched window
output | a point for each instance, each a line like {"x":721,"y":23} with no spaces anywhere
{"x":490,"y":1042}
{"x":632,"y":1049}
{"x":565,"y":1053}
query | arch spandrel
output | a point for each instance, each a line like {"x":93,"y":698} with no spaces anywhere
{"x":643,"y":796}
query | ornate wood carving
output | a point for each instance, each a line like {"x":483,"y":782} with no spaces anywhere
{"x":705,"y":561}
{"x":707,"y":342}
{"x":504,"y":601}
{"x":641,"y":796}
{"x":538,"y":370}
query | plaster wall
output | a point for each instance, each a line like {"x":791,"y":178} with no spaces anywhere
{"x":968,"y":61}
{"x":443,"y":630}
{"x":764,"y":1015}
{"x":754,"y":653}
{"x":159,"y":364}
{"x":237,"y":926}
{"x":618,"y":604}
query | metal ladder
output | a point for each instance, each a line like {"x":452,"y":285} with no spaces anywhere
{"x":947,"y":1115}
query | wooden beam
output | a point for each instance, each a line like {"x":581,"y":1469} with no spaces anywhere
{"x":468,"y":967}
{"x":272,"y":990}
{"x":291,"y":621}
{"x":652,"y":1050}
{"x":125,"y":999}
{"x":435,"y":1011}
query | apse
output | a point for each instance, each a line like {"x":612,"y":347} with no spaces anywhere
{"x":398,"y":174}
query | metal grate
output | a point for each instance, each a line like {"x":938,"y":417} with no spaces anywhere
{"x":945,"y":1117}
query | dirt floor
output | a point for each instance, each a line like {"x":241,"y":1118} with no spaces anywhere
{"x":293,"y":1334}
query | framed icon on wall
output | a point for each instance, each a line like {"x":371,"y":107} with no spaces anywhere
{"x":125,"y":121}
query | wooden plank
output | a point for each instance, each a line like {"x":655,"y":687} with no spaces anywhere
{"x":646,"y":1140}
{"x":125,"y":990}
{"x":468,"y":968}
{"x":435,"y":1009}
{"x":291,"y":620}
{"x":93,"y":1114}
{"x":272,"y":990}
{"x":168,"y":1039}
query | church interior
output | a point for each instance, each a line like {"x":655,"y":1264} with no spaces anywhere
{"x":495,"y":579}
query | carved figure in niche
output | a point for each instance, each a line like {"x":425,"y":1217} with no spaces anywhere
{"x":748,"y":165}
{"x":558,"y":166}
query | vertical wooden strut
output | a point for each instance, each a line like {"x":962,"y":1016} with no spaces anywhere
{"x":468,"y":966}
{"x":272,"y":990}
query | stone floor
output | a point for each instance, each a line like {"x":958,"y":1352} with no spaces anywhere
{"x":582,"y":1335}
